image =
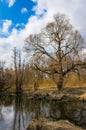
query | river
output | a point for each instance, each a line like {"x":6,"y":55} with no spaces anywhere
{"x":16,"y":112}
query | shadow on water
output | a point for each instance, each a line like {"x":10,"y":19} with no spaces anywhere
{"x":17,"y":111}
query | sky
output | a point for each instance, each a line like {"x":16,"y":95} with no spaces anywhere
{"x":19,"y":18}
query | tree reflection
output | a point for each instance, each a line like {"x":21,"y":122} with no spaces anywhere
{"x":33,"y":109}
{"x":18,"y":121}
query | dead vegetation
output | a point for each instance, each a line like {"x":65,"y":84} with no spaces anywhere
{"x":43,"y":124}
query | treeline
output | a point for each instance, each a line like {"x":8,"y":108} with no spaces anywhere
{"x":55,"y":58}
{"x":34,"y":79}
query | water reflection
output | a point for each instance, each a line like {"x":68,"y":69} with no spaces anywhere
{"x":18,"y":121}
{"x":16,"y":112}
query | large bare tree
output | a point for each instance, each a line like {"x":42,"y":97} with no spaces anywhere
{"x":60,"y":43}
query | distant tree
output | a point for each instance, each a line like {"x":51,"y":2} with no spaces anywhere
{"x":19,"y":70}
{"x":61,"y":44}
{"x":33,"y":76}
{"x":5,"y":78}
{"x":38,"y":76}
{"x":2,"y":76}
{"x":9,"y":77}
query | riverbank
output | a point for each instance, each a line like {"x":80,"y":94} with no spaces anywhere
{"x":43,"y":124}
{"x":68,"y":94}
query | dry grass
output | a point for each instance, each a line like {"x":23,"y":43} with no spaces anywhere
{"x":43,"y":124}
{"x":72,"y":81}
{"x":72,"y":86}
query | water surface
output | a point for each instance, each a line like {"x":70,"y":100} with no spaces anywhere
{"x":16,"y":112}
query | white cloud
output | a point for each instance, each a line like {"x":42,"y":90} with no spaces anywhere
{"x":20,"y":25}
{"x":34,"y":0}
{"x":7,"y":111}
{"x":41,"y":6}
{"x":11,"y":2}
{"x":6,"y":25}
{"x":17,"y":38}
{"x":84,"y":53}
{"x":75,"y":9}
{"x":24,"y":10}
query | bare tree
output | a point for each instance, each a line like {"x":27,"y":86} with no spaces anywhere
{"x":61,"y":44}
{"x":38,"y":76}
{"x":5,"y":78}
{"x":19,"y":70}
{"x":2,"y":76}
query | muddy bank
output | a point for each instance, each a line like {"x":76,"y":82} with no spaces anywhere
{"x":53,"y":97}
{"x":68,"y":94}
{"x":43,"y":124}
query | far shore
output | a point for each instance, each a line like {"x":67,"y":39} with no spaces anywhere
{"x":66,"y":94}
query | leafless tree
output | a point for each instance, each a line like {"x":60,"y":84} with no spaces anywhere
{"x":19,"y":70}
{"x":60,"y":43}
{"x":2,"y":75}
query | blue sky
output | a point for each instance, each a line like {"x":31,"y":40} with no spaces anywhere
{"x":14,"y":12}
{"x":18,"y":12}
{"x":19,"y":18}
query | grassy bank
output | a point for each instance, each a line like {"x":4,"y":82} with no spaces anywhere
{"x":43,"y":124}
{"x":74,"y":93}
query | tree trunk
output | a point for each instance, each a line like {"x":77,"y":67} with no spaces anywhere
{"x":60,"y":83}
{"x":60,"y":75}
{"x":36,"y":85}
{"x":18,"y":90}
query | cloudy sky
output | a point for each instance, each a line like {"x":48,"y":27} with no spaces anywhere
{"x":19,"y":18}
